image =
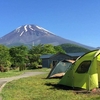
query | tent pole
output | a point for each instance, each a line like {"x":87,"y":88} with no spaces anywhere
{"x":73,"y":78}
{"x":89,"y":83}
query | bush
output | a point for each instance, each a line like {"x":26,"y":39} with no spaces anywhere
{"x":22,"y":66}
{"x":7,"y":64}
{"x":1,"y":68}
{"x":39,"y":66}
{"x":33,"y":65}
{"x":4,"y":69}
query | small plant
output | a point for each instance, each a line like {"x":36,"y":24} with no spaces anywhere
{"x":22,"y":66}
{"x":1,"y":68}
{"x":6,"y":69}
{"x":39,"y":66}
{"x":33,"y":65}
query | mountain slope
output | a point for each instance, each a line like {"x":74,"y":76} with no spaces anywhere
{"x":34,"y":35}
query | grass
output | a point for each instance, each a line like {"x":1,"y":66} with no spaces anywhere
{"x":10,"y":73}
{"x":17,"y":72}
{"x":40,"y":88}
{"x":41,"y":70}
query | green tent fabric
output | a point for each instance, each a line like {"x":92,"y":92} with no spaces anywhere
{"x":60,"y":69}
{"x":85,"y":72}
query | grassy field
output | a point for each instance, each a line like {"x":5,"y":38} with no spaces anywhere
{"x":17,"y":72}
{"x":40,"y":88}
{"x":10,"y":73}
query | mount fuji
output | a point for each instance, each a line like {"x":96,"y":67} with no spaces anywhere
{"x":34,"y":35}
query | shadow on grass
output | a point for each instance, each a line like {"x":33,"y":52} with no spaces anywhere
{"x":57,"y":86}
{"x":75,"y":90}
{"x":67,"y":88}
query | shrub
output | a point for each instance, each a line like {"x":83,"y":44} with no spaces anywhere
{"x":22,"y":66}
{"x":1,"y":68}
{"x":33,"y":65}
{"x":39,"y":66}
{"x":6,"y":69}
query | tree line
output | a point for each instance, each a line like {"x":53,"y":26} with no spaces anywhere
{"x":22,"y":57}
{"x":72,"y":48}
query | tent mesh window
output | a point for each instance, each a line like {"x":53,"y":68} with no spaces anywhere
{"x":83,"y":67}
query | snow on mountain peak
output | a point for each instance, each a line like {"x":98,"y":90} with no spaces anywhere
{"x":31,"y":27}
{"x":25,"y":27}
{"x":21,"y":33}
{"x":43,"y":29}
{"x":18,"y":29}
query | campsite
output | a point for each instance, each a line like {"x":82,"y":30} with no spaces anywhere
{"x":69,"y":79}
{"x":49,"y":50}
{"x":40,"y":88}
{"x":74,"y":85}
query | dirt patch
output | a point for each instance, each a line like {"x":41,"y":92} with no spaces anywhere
{"x":83,"y":91}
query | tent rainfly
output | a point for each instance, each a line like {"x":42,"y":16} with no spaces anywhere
{"x":84,"y":73}
{"x":60,"y":69}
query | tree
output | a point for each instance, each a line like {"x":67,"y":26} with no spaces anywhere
{"x":34,"y":55}
{"x":36,"y":51}
{"x":72,"y":48}
{"x":48,"y":49}
{"x":59,"y":49}
{"x":4,"y":56}
{"x":19,"y":56}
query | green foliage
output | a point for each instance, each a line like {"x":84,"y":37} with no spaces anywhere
{"x":4,"y":56}
{"x":16,"y":55}
{"x":48,"y":49}
{"x":71,"y":48}
{"x":4,"y":69}
{"x":36,"y":51}
{"x":22,"y":66}
{"x":19,"y":55}
{"x":59,"y":49}
{"x":7,"y":63}
{"x":34,"y":54}
{"x":33,"y":65}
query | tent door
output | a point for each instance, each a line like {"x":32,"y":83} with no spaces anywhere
{"x":54,"y":63}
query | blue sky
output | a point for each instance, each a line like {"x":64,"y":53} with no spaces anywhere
{"x":76,"y":20}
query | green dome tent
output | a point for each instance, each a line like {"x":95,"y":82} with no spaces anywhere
{"x":84,"y":73}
